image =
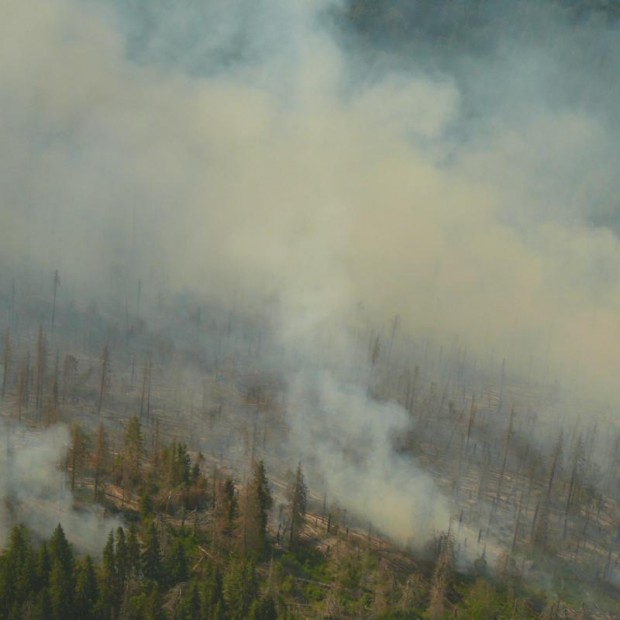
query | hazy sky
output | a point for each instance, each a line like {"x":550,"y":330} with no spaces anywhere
{"x":458,"y":172}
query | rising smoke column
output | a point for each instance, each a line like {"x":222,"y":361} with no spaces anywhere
{"x":34,"y":489}
{"x":242,"y":149}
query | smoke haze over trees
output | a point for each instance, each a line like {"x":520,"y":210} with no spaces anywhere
{"x":379,"y":240}
{"x":325,"y":155}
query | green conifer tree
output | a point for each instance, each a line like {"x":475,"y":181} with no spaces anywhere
{"x":86,"y":590}
{"x":151,"y":555}
{"x":297,"y":500}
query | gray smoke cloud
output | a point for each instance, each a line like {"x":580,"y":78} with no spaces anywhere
{"x":34,"y":489}
{"x":345,"y":440}
{"x":260,"y":149}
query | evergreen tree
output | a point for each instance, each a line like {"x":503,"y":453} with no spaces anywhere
{"x":109,"y":590}
{"x":43,"y":567}
{"x":212,"y":593}
{"x":16,"y":572}
{"x":179,"y":465}
{"x":60,"y":550}
{"x":225,"y":513}
{"x":62,"y":578}
{"x":255,"y":513}
{"x":191,"y":608}
{"x":133,"y":552}
{"x":132,"y":453}
{"x":122,"y":559}
{"x":262,"y":495}
{"x":297,"y":499}
{"x":43,"y":605}
{"x":175,"y":563}
{"x":264,"y":609}
{"x":86,"y":590}
{"x":240,"y":588}
{"x":151,"y":555}
{"x":481,"y":601}
{"x":147,"y":605}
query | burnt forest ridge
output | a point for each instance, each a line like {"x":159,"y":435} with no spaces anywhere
{"x":309,"y":309}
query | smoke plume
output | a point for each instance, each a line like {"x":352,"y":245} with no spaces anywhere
{"x":34,"y":490}
{"x":300,"y":156}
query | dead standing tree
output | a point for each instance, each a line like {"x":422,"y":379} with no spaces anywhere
{"x":539,"y":537}
{"x":100,"y":458}
{"x":145,"y":400}
{"x":23,"y":387}
{"x":40,"y":368}
{"x":6,"y":360}
{"x":105,"y":377}
{"x":56,"y":285}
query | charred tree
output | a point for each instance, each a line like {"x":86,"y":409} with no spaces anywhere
{"x":40,"y":368}
{"x":100,"y":458}
{"x":104,"y":377}
{"x":540,"y":523}
{"x":77,"y":452}
{"x":51,"y":410}
{"x":145,"y":399}
{"x":23,"y":387}
{"x":6,"y":360}
{"x":56,"y":285}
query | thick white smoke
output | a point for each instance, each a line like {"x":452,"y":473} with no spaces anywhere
{"x":233,"y":149}
{"x":34,"y":489}
{"x":346,"y":439}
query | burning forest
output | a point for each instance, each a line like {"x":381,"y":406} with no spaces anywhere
{"x":309,"y":309}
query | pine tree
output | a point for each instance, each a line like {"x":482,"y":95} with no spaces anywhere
{"x":86,"y":590}
{"x":60,"y":549}
{"x":17,"y":570}
{"x":255,"y":513}
{"x":298,"y":499}
{"x":42,"y":609}
{"x":264,"y":609}
{"x":175,"y":563}
{"x":109,"y":590}
{"x":225,"y":513}
{"x":122,"y":558}
{"x":192,"y":608}
{"x":212,"y":593}
{"x":240,"y":588}
{"x":43,"y":567}
{"x":151,"y":555}
{"x":133,"y":552}
{"x":132,"y":453}
{"x":62,"y":578}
